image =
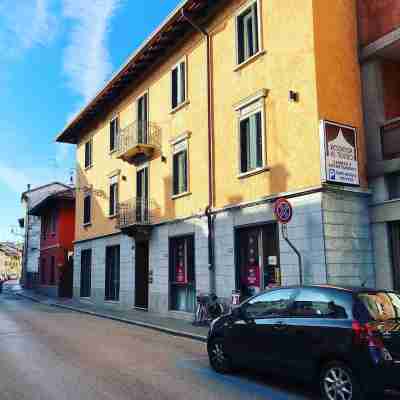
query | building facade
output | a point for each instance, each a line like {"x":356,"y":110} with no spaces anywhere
{"x":379,"y":25}
{"x":10,"y":261}
{"x":181,"y":156}
{"x":32,"y":231}
{"x":57,"y":216}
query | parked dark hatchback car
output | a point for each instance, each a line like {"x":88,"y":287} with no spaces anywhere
{"x":346,"y":339}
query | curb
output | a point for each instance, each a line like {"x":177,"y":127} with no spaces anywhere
{"x":141,"y":324}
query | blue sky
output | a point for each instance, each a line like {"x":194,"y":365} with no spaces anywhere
{"x":54,"y":56}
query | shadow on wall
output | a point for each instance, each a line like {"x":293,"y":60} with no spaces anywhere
{"x":279,"y":178}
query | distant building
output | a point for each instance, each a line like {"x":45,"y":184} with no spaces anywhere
{"x":379,"y":25}
{"x":32,"y":228}
{"x":10,"y":261}
{"x":57,"y":215}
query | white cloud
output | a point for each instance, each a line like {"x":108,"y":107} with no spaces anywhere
{"x":86,"y":60}
{"x":24,"y":25}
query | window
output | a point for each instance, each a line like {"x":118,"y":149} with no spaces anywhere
{"x":178,"y":79}
{"x":182,"y":274}
{"x":52,"y":270}
{"x":381,"y":306}
{"x":143,"y":119}
{"x":251,"y":142}
{"x":86,"y":273}
{"x":390,"y":137}
{"x":312,"y":303}
{"x":271,"y":304}
{"x":87,"y":209}
{"x":114,"y":129}
{"x":247,"y":26}
{"x":53,"y":221}
{"x":393,"y":185}
{"x":112,"y":273}
{"x":88,"y":153}
{"x":180,"y":168}
{"x":113,"y":196}
{"x":43,"y":271}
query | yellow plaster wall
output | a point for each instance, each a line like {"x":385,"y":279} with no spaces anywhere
{"x":338,"y":70}
{"x":292,"y":128}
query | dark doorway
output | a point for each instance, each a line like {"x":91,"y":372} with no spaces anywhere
{"x":257,"y":259}
{"x":142,"y":275}
{"x":86,"y":273}
{"x":112,"y":282}
{"x":66,"y":278}
{"x":395,"y":238}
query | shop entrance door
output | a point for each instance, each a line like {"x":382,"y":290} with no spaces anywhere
{"x":257,"y":261}
{"x":142,"y":275}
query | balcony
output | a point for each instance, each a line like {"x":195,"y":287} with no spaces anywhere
{"x":139,"y":141}
{"x":135,"y":218}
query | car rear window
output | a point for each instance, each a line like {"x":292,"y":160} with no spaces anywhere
{"x":381,"y":306}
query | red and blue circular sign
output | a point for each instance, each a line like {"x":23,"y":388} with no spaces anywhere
{"x":283,"y":211}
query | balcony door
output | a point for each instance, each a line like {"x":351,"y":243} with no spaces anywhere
{"x":142,"y":195}
{"x":142,"y":119}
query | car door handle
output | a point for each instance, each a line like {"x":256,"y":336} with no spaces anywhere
{"x":280,"y":326}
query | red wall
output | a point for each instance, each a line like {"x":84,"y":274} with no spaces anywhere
{"x":391,"y":88}
{"x":66,"y":226}
{"x":377,"y":18}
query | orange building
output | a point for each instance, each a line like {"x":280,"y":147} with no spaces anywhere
{"x":181,"y":156}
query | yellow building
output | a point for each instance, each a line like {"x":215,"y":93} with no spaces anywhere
{"x":227,"y":107}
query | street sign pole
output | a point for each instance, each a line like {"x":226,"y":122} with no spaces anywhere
{"x":284,"y":213}
{"x":292,"y":246}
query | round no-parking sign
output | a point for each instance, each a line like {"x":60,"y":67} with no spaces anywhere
{"x":283,"y":211}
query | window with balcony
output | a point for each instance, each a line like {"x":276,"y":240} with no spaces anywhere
{"x":89,"y":153}
{"x":114,"y":128}
{"x":113,"y":199}
{"x":180,"y":168}
{"x":248,"y":36}
{"x":87,"y":209}
{"x":178,"y":81}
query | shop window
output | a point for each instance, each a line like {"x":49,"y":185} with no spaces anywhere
{"x":182,"y":274}
{"x":112,"y":281}
{"x":86,"y":272}
{"x":247,"y":27}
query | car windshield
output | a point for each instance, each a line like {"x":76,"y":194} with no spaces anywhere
{"x":381,"y":306}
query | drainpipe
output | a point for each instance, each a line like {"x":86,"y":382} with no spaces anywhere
{"x":210,"y":112}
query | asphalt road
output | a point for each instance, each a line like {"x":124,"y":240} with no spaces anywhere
{"x":48,"y":353}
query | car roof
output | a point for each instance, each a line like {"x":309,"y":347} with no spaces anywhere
{"x":349,"y":289}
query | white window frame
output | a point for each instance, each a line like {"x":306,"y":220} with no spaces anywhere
{"x":242,"y":10}
{"x":115,"y":118}
{"x":90,"y":142}
{"x":177,"y":66}
{"x":179,"y":145}
{"x":113,"y":180}
{"x":245,"y":109}
{"x":87,"y":194}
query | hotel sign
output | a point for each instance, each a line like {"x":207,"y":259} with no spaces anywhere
{"x":339,"y":158}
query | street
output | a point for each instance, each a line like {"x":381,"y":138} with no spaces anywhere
{"x":48,"y":353}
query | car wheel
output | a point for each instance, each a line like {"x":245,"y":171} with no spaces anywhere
{"x":337,"y":382}
{"x":219,"y":360}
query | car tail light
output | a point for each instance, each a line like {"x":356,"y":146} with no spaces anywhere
{"x":364,"y":334}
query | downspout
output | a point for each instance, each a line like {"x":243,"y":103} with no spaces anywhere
{"x":210,"y":112}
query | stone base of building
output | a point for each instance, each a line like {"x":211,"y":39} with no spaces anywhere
{"x":330,"y":228}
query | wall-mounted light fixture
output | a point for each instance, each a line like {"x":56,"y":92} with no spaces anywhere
{"x":293,"y":96}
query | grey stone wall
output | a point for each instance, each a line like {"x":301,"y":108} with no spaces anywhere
{"x":127,"y":276}
{"x":348,"y":239}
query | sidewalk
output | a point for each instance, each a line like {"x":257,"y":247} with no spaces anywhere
{"x":143,"y":319}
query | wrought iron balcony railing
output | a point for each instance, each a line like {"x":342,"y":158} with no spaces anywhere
{"x":141,"y":138}
{"x":135,"y":212}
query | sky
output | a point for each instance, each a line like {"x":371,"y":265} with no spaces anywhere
{"x":54,"y":56}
